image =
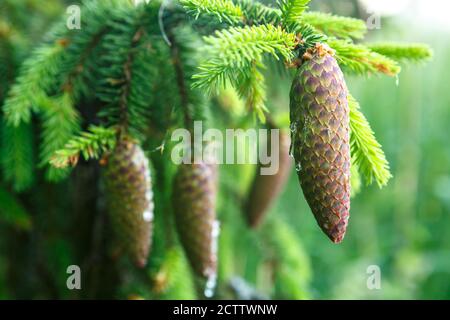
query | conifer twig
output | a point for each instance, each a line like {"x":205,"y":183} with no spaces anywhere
{"x":127,"y":72}
{"x":37,"y":76}
{"x":335,"y":26}
{"x":402,"y":52}
{"x":361,"y":60}
{"x":17,"y":157}
{"x":224,"y":10}
{"x":233,"y":51}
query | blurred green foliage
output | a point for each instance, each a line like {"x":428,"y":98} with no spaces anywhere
{"x":402,"y":228}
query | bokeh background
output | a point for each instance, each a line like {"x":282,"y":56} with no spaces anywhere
{"x":403,"y":228}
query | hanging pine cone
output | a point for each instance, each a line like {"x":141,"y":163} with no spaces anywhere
{"x":194,"y":198}
{"x":130,"y":199}
{"x":320,"y":139}
{"x":266,"y":188}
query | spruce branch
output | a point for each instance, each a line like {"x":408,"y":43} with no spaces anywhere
{"x":292,"y":10}
{"x":89,"y":144}
{"x":8,"y":64}
{"x":253,"y":89}
{"x":236,"y":54}
{"x":52,"y":80}
{"x":355,"y":179}
{"x":127,"y":74}
{"x":172,"y":279}
{"x":307,"y":34}
{"x":82,"y":52}
{"x":361,"y":60}
{"x":335,"y":26}
{"x":224,"y":10}
{"x":181,"y":82}
{"x":233,"y":52}
{"x":36,"y":78}
{"x":127,"y":71}
{"x":291,"y":264}
{"x":256,"y":13}
{"x":366,"y":152}
{"x":402,"y":52}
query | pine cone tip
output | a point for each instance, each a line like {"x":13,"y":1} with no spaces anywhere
{"x":319,"y":116}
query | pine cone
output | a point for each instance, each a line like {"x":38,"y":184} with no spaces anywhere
{"x":320,"y":138}
{"x":194,"y":198}
{"x":266,"y":188}
{"x":130,"y":199}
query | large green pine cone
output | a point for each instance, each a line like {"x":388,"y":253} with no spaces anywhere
{"x":130,"y":199}
{"x":266,"y":188}
{"x":320,"y":138}
{"x":194,"y":199}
